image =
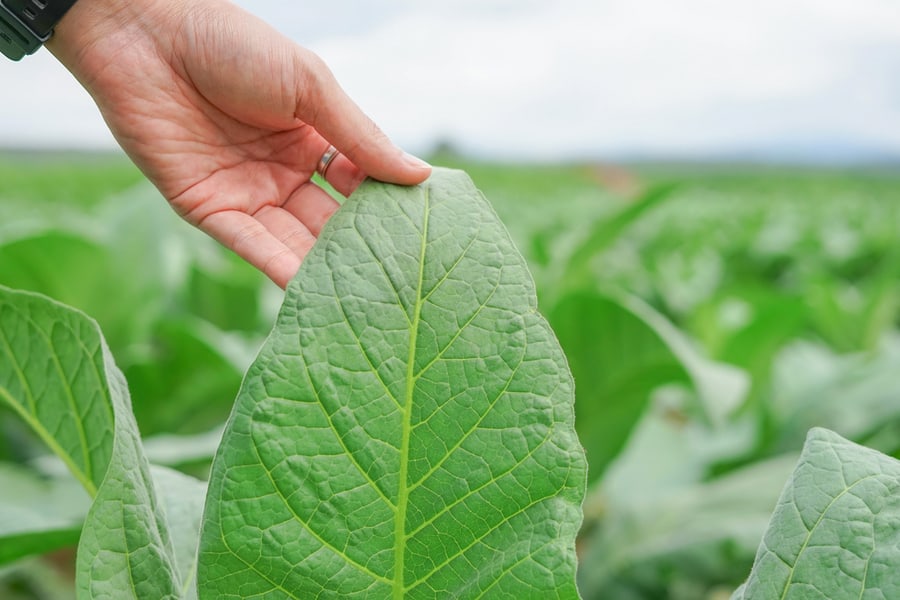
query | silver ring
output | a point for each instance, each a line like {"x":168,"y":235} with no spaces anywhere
{"x":326,"y":160}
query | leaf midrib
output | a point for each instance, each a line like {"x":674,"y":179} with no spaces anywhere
{"x":402,"y":486}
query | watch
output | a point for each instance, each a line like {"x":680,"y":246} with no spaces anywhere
{"x":26,"y":24}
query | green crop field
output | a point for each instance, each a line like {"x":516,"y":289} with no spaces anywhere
{"x":711,"y":316}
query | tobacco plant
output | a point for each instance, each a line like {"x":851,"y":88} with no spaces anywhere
{"x":405,"y":432}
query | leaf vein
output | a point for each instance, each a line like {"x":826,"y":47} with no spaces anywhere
{"x":84,"y":475}
{"x":474,"y":427}
{"x":812,"y":529}
{"x":509,"y":569}
{"x":450,"y":270}
{"x":365,"y":354}
{"x":403,"y":491}
{"x":387,"y":276}
{"x":481,"y":539}
{"x":458,"y":332}
{"x":20,"y":374}
{"x":362,"y":568}
{"x":333,"y":428}
{"x":472,"y":492}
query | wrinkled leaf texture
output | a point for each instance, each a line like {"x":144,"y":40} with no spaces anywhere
{"x":407,"y":429}
{"x":836,"y":530}
{"x":57,"y":374}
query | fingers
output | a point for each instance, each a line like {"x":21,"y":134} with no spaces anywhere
{"x":343,"y":175}
{"x":312,"y":206}
{"x":254,"y":242}
{"x":275,"y":239}
{"x":323,"y":104}
{"x":250,"y":239}
{"x":290,"y":232}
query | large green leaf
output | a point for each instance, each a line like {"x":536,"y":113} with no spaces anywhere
{"x":53,"y":375}
{"x":58,"y":375}
{"x":836,"y":530}
{"x":407,"y":429}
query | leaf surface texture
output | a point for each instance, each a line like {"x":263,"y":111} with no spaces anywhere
{"x":407,"y":429}
{"x":836,"y":530}
{"x":57,"y":374}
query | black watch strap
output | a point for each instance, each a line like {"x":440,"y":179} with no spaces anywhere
{"x":26,"y":24}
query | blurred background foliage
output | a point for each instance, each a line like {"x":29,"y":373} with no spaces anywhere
{"x":711,"y":315}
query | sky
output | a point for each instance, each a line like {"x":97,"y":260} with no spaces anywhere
{"x":781,"y":80}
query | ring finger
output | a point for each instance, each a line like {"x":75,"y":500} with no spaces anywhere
{"x":338,"y":170}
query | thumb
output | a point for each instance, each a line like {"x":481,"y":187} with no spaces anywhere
{"x":322,"y":103}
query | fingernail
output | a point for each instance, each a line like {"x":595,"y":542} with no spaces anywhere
{"x":414,"y":161}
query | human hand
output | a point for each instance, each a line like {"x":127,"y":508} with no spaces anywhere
{"x":228,"y":119}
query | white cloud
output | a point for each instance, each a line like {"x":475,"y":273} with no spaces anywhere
{"x":577,"y":77}
{"x":637,"y":75}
